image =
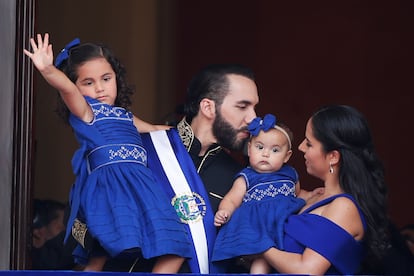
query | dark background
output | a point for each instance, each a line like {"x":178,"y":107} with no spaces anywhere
{"x":310,"y":53}
{"x":305,"y":54}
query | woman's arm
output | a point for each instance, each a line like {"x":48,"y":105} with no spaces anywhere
{"x":230,"y":202}
{"x":309,"y":262}
{"x":42,"y":58}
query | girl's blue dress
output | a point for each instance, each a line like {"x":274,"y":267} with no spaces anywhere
{"x":257,"y":224}
{"x":115,"y":193}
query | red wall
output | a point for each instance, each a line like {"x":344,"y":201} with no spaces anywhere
{"x":307,"y":54}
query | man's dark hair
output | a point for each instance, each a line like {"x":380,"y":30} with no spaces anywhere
{"x":211,"y":82}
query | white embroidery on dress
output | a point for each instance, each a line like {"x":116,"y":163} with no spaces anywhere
{"x":256,"y":193}
{"x":125,"y":153}
{"x":102,"y":111}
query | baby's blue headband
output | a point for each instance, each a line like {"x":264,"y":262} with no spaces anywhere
{"x":268,"y":122}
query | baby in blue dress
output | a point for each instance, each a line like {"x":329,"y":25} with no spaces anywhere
{"x":115,"y":193}
{"x":263,"y":195}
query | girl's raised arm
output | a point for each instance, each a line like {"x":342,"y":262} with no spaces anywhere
{"x":42,"y":58}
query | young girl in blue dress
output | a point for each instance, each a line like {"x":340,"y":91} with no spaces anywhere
{"x":264,"y":194}
{"x":115,"y":193}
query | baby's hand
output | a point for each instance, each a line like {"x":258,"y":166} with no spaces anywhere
{"x":42,"y":55}
{"x":307,"y":195}
{"x":221,"y":217}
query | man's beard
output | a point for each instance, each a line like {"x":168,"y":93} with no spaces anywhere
{"x":226,"y":135}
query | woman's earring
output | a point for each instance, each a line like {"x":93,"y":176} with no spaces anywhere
{"x":331,"y":169}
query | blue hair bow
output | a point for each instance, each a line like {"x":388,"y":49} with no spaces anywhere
{"x":255,"y":126}
{"x":64,"y":54}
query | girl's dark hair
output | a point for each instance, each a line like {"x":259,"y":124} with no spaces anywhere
{"x":82,"y":53}
{"x":211,"y":82}
{"x":361,"y":173}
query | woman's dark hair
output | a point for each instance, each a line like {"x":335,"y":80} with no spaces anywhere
{"x":211,"y":82}
{"x":361,"y":173}
{"x":82,"y":53}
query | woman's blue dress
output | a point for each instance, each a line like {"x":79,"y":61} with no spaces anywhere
{"x":115,"y":193}
{"x":257,"y":224}
{"x":325,"y":237}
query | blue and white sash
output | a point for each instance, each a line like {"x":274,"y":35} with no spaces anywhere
{"x":175,"y":172}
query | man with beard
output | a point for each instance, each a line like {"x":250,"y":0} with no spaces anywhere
{"x":220,"y":103}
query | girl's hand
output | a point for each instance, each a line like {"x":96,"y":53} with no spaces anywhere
{"x":42,"y":55}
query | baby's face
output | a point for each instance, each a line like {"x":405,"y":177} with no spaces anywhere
{"x":269,"y":151}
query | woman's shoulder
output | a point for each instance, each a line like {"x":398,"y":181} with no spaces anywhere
{"x":340,"y":202}
{"x":344,"y":211}
{"x":343,"y":202}
{"x":333,"y":206}
{"x":322,"y":200}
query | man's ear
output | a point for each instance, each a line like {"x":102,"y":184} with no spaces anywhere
{"x":208,"y":108}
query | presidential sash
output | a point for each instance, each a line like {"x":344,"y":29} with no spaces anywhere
{"x":175,"y":172}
